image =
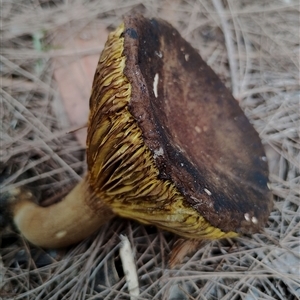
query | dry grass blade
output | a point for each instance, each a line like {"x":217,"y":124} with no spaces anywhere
{"x":254,"y":47}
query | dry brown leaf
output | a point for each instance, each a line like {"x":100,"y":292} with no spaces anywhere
{"x":74,"y":73}
{"x":181,"y":249}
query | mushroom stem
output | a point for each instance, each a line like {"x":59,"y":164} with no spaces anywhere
{"x":61,"y":224}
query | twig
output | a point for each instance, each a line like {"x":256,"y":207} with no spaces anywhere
{"x":129,"y":267}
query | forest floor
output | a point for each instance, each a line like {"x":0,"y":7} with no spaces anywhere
{"x":49,"y":52}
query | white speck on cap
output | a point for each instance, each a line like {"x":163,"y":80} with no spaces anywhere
{"x":198,"y":129}
{"x":159,"y":54}
{"x":247,"y":217}
{"x":155,"y":83}
{"x":159,"y":152}
{"x":254,"y":220}
{"x":208,"y":192}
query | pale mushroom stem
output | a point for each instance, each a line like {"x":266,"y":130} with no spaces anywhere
{"x":61,"y":224}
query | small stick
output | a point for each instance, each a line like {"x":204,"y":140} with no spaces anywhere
{"x":126,"y":255}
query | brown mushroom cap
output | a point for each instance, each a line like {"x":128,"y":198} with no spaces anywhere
{"x":167,"y":143}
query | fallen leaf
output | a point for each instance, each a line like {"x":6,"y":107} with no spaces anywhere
{"x":74,"y":73}
{"x":181,"y":249}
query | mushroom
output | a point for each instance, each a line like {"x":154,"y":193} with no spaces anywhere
{"x":167,"y":145}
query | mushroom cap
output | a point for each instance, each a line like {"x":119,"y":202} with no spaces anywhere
{"x":167,"y":143}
